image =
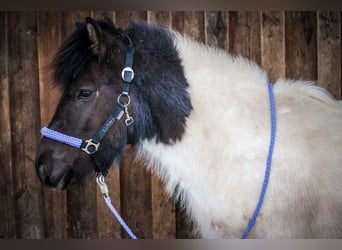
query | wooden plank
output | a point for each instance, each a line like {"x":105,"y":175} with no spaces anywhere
{"x":184,"y":228}
{"x":177,"y":21}
{"x":163,"y":211}
{"x":301,"y":45}
{"x":122,"y":17}
{"x":159,"y":17}
{"x":135,"y":181}
{"x":329,"y":51}
{"x":7,"y":224}
{"x":194,"y":25}
{"x":108,"y":226}
{"x":163,"y":207}
{"x":81,"y":199}
{"x":216,"y":29}
{"x":25,"y":122}
{"x":272,"y":44}
{"x":69,"y":20}
{"x":48,"y":42}
{"x":245,"y":34}
{"x":100,"y":15}
{"x":190,"y":23}
{"x":136,"y":201}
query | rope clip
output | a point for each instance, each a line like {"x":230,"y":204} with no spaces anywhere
{"x":103,"y":186}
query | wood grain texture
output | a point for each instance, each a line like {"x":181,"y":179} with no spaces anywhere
{"x":7,"y":219}
{"x":49,"y":40}
{"x":160,"y":17}
{"x":122,"y":17}
{"x":216,"y":27}
{"x":25,"y":123}
{"x":244,"y":35}
{"x":272,"y":44}
{"x":329,"y":51}
{"x":136,"y":200}
{"x":301,"y":45}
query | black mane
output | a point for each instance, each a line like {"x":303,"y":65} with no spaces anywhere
{"x":74,"y":55}
{"x":160,"y":81}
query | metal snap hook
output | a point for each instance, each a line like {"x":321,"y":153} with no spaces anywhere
{"x":103,"y":186}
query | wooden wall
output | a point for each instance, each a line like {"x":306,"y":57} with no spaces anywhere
{"x":303,"y":45}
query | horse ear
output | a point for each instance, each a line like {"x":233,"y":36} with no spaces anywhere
{"x":94,"y":35}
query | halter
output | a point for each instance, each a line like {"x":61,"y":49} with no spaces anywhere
{"x":91,"y":146}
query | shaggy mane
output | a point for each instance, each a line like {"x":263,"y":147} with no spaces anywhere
{"x":74,"y":55}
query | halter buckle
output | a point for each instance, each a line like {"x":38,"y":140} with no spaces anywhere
{"x":90,"y":146}
{"x":127,"y":74}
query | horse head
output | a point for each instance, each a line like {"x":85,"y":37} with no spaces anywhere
{"x":88,"y":68}
{"x":92,"y":67}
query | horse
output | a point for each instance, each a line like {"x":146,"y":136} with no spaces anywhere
{"x":199,"y":118}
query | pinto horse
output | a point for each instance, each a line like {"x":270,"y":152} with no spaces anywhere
{"x":200,"y":119}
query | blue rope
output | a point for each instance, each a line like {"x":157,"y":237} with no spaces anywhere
{"x":119,"y":218}
{"x":268,"y":166}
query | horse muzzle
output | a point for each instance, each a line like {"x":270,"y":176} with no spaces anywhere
{"x":49,"y":180}
{"x":53,"y":171}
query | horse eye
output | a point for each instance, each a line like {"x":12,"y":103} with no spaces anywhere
{"x":84,"y":93}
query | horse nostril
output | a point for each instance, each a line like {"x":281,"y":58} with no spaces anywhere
{"x":42,"y":172}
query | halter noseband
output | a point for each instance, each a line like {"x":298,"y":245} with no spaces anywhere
{"x":91,"y":146}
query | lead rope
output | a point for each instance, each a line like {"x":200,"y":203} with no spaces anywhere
{"x":268,"y":165}
{"x":104,"y":190}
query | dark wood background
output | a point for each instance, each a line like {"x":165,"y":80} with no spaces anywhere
{"x":305,"y":45}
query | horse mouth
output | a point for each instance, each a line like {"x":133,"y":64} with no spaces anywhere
{"x":65,"y":181}
{"x":62,"y":182}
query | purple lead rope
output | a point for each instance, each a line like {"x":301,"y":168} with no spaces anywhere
{"x":119,"y":218}
{"x":104,"y":190}
{"x":268,"y":164}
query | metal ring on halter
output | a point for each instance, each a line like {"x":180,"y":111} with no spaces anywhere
{"x":120,"y":102}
